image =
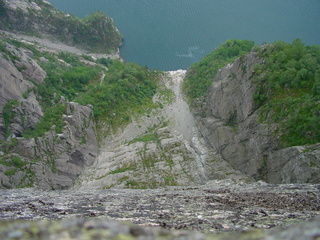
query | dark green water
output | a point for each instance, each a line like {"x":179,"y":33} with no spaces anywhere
{"x":172,"y":34}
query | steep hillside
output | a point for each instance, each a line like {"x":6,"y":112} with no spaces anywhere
{"x":161,"y":147}
{"x":259,"y":107}
{"x":38,"y":18}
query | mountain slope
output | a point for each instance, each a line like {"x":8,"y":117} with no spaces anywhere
{"x":96,"y":33}
{"x":249,"y":133}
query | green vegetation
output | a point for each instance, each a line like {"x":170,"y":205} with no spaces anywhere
{"x":52,"y":117}
{"x":126,"y":89}
{"x":125,"y":168}
{"x":8,"y":115}
{"x":151,"y":137}
{"x":7,"y":145}
{"x":288,"y":91}
{"x":201,"y":74}
{"x":95,"y":33}
{"x":105,"y":61}
{"x":10,"y":172}
{"x":7,"y":54}
{"x":13,"y":161}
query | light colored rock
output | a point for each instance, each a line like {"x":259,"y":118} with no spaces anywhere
{"x":175,"y":154}
{"x":295,"y":164}
{"x":22,"y":4}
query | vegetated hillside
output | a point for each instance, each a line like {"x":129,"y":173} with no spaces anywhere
{"x":200,"y":74}
{"x":288,"y":91}
{"x":95,"y":33}
{"x":46,"y":138}
{"x":256,"y":109}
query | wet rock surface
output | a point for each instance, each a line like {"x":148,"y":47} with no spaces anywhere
{"x":218,"y":206}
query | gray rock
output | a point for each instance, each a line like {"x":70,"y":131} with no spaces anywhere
{"x":15,"y":80}
{"x":219,"y":206}
{"x":229,"y":121}
{"x":26,"y":115}
{"x":60,"y":158}
{"x":295,"y":164}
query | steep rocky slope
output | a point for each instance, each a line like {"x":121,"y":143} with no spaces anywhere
{"x":38,"y":18}
{"x":158,"y":149}
{"x":49,"y":161}
{"x":230,"y":121}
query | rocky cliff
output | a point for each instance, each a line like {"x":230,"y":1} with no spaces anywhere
{"x":229,"y":119}
{"x":51,"y":161}
{"x":96,"y":33}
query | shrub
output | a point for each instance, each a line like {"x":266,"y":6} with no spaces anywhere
{"x":288,"y":91}
{"x":127,"y":88}
{"x":52,"y":117}
{"x":8,"y":115}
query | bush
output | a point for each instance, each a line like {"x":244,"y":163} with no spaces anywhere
{"x":8,"y":115}
{"x":288,"y":91}
{"x":127,"y":88}
{"x":52,"y":117}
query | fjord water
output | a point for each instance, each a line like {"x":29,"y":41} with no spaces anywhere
{"x":172,"y":34}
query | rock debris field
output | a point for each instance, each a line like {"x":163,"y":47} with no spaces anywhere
{"x":218,"y":206}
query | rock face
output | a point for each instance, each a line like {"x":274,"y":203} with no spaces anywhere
{"x":39,"y":18}
{"x":229,"y":121}
{"x":53,"y":161}
{"x":161,"y":148}
{"x":17,"y":71}
{"x":58,"y":159}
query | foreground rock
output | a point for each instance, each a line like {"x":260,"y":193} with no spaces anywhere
{"x":96,"y":229}
{"x":216,"y":207}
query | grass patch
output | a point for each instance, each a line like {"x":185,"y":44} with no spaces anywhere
{"x":126,"y":90}
{"x":151,"y":137}
{"x":10,"y":172}
{"x":52,"y":117}
{"x":128,"y":167}
{"x":8,"y":115}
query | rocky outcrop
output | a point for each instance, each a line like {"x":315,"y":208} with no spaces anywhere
{"x":295,"y":164}
{"x":38,"y":18}
{"x":18,"y":74}
{"x":160,"y":148}
{"x":52,"y":161}
{"x":229,"y":121}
